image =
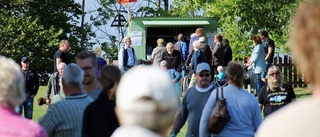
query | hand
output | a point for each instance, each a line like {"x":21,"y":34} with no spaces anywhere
{"x":32,"y":96}
{"x":48,"y":101}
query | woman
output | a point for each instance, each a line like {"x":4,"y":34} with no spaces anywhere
{"x":99,"y":118}
{"x":197,"y":58}
{"x":227,"y":52}
{"x":276,"y":94}
{"x":257,"y":61}
{"x":12,"y":94}
{"x":242,"y":106}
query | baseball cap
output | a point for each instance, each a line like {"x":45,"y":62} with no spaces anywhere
{"x":25,"y":59}
{"x":203,"y":67}
{"x":154,"y":93}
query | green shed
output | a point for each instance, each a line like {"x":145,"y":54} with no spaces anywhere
{"x":144,"y":32}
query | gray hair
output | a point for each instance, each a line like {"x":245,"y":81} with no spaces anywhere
{"x":12,"y":83}
{"x":62,"y":64}
{"x":202,"y":39}
{"x":125,"y":39}
{"x":277,"y":69}
{"x":196,"y":44}
{"x":73,"y":75}
{"x":163,"y":62}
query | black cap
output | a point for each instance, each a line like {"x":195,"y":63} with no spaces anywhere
{"x":25,"y":59}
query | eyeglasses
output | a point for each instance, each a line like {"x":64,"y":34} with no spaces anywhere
{"x":202,"y":75}
{"x":274,"y":74}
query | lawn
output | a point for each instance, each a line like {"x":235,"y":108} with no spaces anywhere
{"x":40,"y":110}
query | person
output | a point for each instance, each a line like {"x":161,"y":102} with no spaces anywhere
{"x":217,"y":53}
{"x":62,"y":54}
{"x":181,"y":46}
{"x":60,"y":96}
{"x":221,"y":75}
{"x":300,"y":118}
{"x":227,"y":52}
{"x":100,"y":61}
{"x":205,"y":48}
{"x":197,"y":58}
{"x":99,"y":119}
{"x":172,"y":56}
{"x":64,"y":118}
{"x":258,"y":62}
{"x":88,"y":62}
{"x":193,"y":103}
{"x":269,"y":48}
{"x":53,"y":86}
{"x":243,"y":108}
{"x":31,"y":88}
{"x":148,"y":109}
{"x":12,"y":93}
{"x":157,"y":52}
{"x":198,"y":33}
{"x":126,"y":56}
{"x":174,"y":75}
{"x":276,"y":94}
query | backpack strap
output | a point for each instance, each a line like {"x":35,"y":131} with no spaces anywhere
{"x":221,"y":92}
{"x":217,"y":94}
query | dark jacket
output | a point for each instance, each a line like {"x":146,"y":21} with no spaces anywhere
{"x":31,"y":83}
{"x":227,"y":55}
{"x":173,"y":60}
{"x":99,"y":118}
{"x":218,"y":56}
{"x":197,"y":57}
{"x":205,"y":48}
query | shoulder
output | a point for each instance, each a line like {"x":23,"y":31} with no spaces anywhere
{"x":34,"y":128}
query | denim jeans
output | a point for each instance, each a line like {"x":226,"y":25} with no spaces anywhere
{"x":257,"y":81}
{"x":28,"y":108}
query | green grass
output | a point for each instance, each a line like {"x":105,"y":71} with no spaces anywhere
{"x":39,"y":111}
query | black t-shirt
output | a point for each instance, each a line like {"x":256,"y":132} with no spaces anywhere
{"x":274,"y":100}
{"x":64,"y":56}
{"x":269,"y":43}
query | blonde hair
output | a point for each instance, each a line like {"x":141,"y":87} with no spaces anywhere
{"x":270,"y":83}
{"x":62,"y":42}
{"x":125,"y":39}
{"x":160,"y":41}
{"x":305,"y":39}
{"x":12,"y":83}
{"x":97,"y":51}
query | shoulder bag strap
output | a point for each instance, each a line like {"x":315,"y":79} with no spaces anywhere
{"x":221,"y":92}
{"x":217,"y":94}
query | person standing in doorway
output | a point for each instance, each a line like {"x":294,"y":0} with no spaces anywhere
{"x":31,"y":88}
{"x":62,"y":54}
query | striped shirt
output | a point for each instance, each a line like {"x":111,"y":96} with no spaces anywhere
{"x":64,"y":118}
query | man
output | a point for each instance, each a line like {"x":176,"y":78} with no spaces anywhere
{"x":301,"y":118}
{"x":205,"y":48}
{"x":172,"y":56}
{"x":157,"y":52}
{"x":193,"y":102}
{"x":53,"y":86}
{"x":147,"y":109}
{"x":31,"y":88}
{"x":62,"y":54}
{"x":181,"y":46}
{"x":64,"y":118}
{"x":87,"y":60}
{"x":126,"y":57}
{"x":100,"y":61}
{"x":269,"y":48}
{"x":217,"y":54}
{"x":197,"y":58}
{"x":12,"y":93}
{"x":276,"y":94}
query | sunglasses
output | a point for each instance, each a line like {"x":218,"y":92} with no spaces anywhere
{"x":202,"y":75}
{"x":272,"y":74}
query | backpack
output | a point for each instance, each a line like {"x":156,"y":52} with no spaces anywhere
{"x":219,"y":116}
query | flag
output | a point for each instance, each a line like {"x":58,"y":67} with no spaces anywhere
{"x":126,"y":2}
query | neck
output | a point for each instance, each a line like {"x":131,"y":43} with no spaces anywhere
{"x":62,"y":49}
{"x":91,"y":87}
{"x":71,"y":90}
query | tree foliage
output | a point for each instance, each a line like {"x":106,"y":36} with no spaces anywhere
{"x":34,"y":28}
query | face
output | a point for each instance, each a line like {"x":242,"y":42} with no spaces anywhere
{"x":163,"y":67}
{"x":274,"y":76}
{"x":60,"y":69}
{"x":203,"y":79}
{"x":66,"y":46}
{"x":262,"y":37}
{"x":170,"y":49}
{"x":25,"y":65}
{"x":88,"y":69}
{"x":128,"y":42}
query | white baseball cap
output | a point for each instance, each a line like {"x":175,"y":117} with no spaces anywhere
{"x":146,"y":89}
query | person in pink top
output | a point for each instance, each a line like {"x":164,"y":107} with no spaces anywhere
{"x":12,"y":94}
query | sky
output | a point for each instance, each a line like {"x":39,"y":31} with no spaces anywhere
{"x":91,"y":5}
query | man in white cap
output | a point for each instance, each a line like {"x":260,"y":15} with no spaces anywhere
{"x":148,"y":109}
{"x":193,"y":102}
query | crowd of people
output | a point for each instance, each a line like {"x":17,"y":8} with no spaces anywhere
{"x":90,"y":98}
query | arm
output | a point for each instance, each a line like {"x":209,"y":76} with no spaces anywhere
{"x":216,"y":49}
{"x":120,"y":60}
{"x":85,"y":122}
{"x":257,"y":119}
{"x":36,"y":84}
{"x":270,"y":50}
{"x":182,"y":116}
{"x":184,"y":51}
{"x":204,"y":121}
{"x":189,"y":57}
{"x":49,"y":121}
{"x":255,"y":54}
{"x":177,"y":76}
{"x":261,"y":99}
{"x":291,"y":93}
